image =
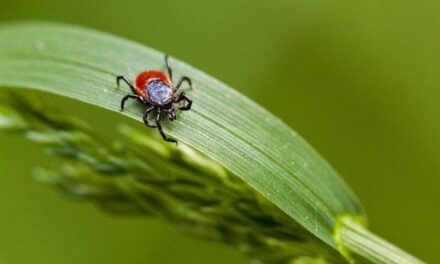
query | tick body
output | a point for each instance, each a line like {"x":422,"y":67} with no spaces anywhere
{"x":155,"y":90}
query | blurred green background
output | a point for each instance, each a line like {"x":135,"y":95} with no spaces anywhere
{"x":358,"y":79}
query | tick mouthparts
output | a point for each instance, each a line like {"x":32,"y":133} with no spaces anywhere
{"x":173,"y":116}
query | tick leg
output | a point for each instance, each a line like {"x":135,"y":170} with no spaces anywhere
{"x":182,"y":97}
{"x":184,"y":79}
{"x":123,"y":78}
{"x":170,"y":71}
{"x":159,"y":127}
{"x":131,"y":96}
{"x":147,"y":112}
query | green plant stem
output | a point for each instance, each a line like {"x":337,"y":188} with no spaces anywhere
{"x":141,"y":174}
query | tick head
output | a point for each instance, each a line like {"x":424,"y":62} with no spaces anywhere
{"x":171,"y":113}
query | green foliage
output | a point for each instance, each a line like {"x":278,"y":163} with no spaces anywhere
{"x":142,"y":174}
{"x":224,"y":125}
{"x":277,"y":168}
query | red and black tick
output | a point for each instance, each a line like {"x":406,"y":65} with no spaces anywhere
{"x":156,"y":90}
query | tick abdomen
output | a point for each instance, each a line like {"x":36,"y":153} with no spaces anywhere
{"x":159,"y":93}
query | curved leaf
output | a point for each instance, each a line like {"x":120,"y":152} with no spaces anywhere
{"x":245,"y":138}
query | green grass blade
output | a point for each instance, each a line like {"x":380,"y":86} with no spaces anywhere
{"x":228,"y":127}
{"x":82,"y":64}
{"x":223,"y":124}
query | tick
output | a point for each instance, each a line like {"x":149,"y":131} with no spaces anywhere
{"x":156,"y":91}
